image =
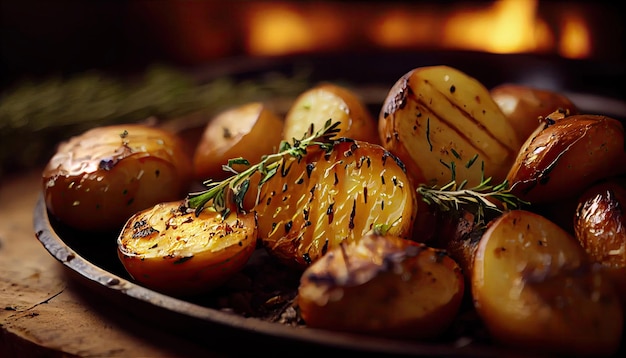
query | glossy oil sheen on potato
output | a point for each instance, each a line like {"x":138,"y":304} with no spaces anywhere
{"x":315,"y":202}
{"x":600,"y":227}
{"x":437,"y":119}
{"x":534,"y":288}
{"x":98,"y":179}
{"x":169,"y":249}
{"x":566,"y":156}
{"x":247,"y":131}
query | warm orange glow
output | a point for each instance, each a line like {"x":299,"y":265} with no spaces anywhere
{"x":507,"y":26}
{"x":503,"y":26}
{"x":401,"y":27}
{"x":277,"y":30}
{"x":575,"y":41}
{"x":282,"y":28}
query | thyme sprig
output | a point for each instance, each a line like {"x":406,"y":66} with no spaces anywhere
{"x":453,"y":196}
{"x":239,"y":182}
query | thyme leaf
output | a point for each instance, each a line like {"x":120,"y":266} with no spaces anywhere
{"x":239,"y":183}
{"x":479,"y":199}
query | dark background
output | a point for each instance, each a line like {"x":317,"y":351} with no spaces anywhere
{"x":42,"y":37}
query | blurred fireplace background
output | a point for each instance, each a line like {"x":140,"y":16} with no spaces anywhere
{"x":40,"y":37}
{"x":65,"y":65}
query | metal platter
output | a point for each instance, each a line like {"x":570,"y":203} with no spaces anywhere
{"x":94,"y":263}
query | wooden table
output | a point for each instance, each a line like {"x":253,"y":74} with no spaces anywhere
{"x":46,"y":313}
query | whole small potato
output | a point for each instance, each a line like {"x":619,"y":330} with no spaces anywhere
{"x":330,"y":101}
{"x":600,"y":226}
{"x":247,"y":131}
{"x":98,"y":179}
{"x":566,"y":156}
{"x":523,"y":105}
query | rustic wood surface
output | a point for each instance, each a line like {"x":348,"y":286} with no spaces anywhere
{"x":45,"y":313}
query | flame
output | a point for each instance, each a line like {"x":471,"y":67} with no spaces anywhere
{"x":284,"y":28}
{"x":504,"y":26}
{"x":575,"y":39}
{"x":507,"y":26}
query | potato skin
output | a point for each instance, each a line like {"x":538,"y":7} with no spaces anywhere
{"x":566,"y":156}
{"x":247,"y":131}
{"x":98,"y":179}
{"x":169,"y":249}
{"x":524,"y":105}
{"x":600,"y":227}
{"x":382,"y":285}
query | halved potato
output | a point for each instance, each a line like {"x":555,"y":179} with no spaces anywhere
{"x":382,"y":285}
{"x":96,"y":180}
{"x":169,"y":249}
{"x":439,"y":120}
{"x":248,"y":131}
{"x":534,"y":288}
{"x":330,"y":101}
{"x":332,"y":194}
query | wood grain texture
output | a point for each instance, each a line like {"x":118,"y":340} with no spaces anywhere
{"x":44,"y":313}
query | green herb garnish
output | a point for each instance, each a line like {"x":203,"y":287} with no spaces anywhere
{"x":453,"y":196}
{"x":239,"y":183}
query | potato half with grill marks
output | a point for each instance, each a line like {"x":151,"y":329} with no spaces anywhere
{"x":438,"y":119}
{"x":315,"y":202}
{"x":171,"y":250}
{"x":382,"y":285}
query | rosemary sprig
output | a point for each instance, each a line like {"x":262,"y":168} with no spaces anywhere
{"x":453,"y":196}
{"x":239,"y":183}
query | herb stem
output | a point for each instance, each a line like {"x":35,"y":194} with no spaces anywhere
{"x":268,"y":166}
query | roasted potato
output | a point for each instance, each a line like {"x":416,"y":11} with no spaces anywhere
{"x":439,"y":120}
{"x":331,"y":195}
{"x":524,"y":105}
{"x":382,"y":285}
{"x":312,"y":108}
{"x":247,"y":131}
{"x":600,"y":227}
{"x":566,"y":156}
{"x":535,"y":288}
{"x":98,"y":179}
{"x":169,"y":249}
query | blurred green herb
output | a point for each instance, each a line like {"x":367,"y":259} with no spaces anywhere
{"x":35,"y":116}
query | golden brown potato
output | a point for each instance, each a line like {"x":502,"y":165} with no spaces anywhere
{"x":248,"y":131}
{"x":523,"y":105}
{"x":437,"y":119}
{"x":169,"y":249}
{"x":330,"y":101}
{"x":535,"y":288}
{"x":600,"y":226}
{"x":382,"y":285}
{"x":98,"y":179}
{"x":566,"y":156}
{"x":327,"y":197}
